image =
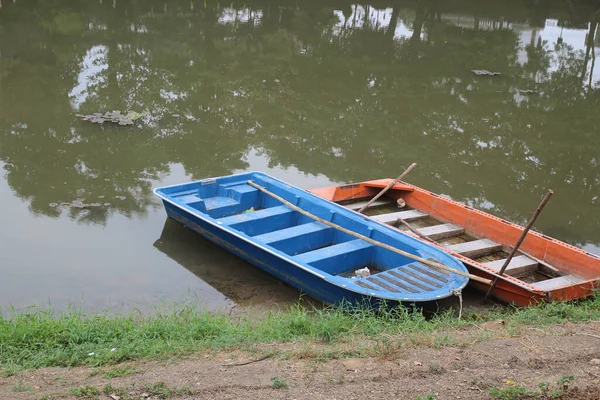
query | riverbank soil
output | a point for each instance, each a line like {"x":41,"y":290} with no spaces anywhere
{"x":482,"y":362}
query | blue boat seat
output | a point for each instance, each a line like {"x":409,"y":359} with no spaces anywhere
{"x":187,"y":198}
{"x":245,"y":194}
{"x":231,"y":199}
{"x":339,"y":258}
{"x":191,"y":199}
{"x":298,"y":239}
{"x":212,"y":203}
{"x":218,"y":206}
{"x":261,"y":221}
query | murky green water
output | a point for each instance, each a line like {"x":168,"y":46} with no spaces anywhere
{"x":312,"y":92}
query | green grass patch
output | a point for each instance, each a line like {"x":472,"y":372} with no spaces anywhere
{"x":41,"y":338}
{"x":20,"y":387}
{"x":162,"y":391}
{"x":545,"y":390}
{"x":85,"y":391}
{"x":114,"y":372}
{"x":122,"y":392}
{"x":278,"y":382}
{"x":511,"y":393}
{"x":155,"y":390}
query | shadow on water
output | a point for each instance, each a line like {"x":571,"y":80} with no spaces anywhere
{"x":250,"y":287}
{"x":243,"y":283}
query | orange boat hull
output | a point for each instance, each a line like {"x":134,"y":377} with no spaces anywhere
{"x":562,"y":256}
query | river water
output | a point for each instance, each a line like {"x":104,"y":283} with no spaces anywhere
{"x":313,"y":92}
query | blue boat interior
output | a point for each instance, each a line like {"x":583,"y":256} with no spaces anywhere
{"x":233,"y":204}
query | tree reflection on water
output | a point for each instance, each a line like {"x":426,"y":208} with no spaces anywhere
{"x":345,"y":90}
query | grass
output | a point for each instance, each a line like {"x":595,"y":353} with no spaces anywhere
{"x":437,"y":369}
{"x":513,"y":392}
{"x":114,"y":372}
{"x":42,"y":338}
{"x":545,"y":390}
{"x":162,"y":391}
{"x":155,"y":390}
{"x":565,"y":380}
{"x":278,"y":382}
{"x":20,"y":387}
{"x":85,"y":391}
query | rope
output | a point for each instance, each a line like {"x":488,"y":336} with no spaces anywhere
{"x":369,"y":240}
{"x":458,"y":293}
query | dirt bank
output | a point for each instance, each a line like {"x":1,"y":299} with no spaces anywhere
{"x":469,"y":369}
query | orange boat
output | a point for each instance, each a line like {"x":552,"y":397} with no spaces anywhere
{"x":544,"y":269}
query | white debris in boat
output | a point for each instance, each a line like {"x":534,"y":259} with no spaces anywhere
{"x":401,"y":203}
{"x":363,"y":272}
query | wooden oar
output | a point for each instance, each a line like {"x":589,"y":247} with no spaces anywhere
{"x":422,"y":260}
{"x":516,"y":247}
{"x":385,"y":189}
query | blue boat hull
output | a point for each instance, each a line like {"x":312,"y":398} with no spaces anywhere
{"x":287,"y":272}
{"x":309,"y":243}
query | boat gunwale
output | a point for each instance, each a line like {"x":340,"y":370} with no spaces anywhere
{"x":338,"y":281}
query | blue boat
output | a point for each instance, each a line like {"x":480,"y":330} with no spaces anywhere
{"x":332,"y":253}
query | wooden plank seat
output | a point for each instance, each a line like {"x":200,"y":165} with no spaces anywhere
{"x":408,"y":215}
{"x":475,"y":248}
{"x":519,"y":265}
{"x":360,"y":204}
{"x":442,"y":231}
{"x":554,"y":283}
